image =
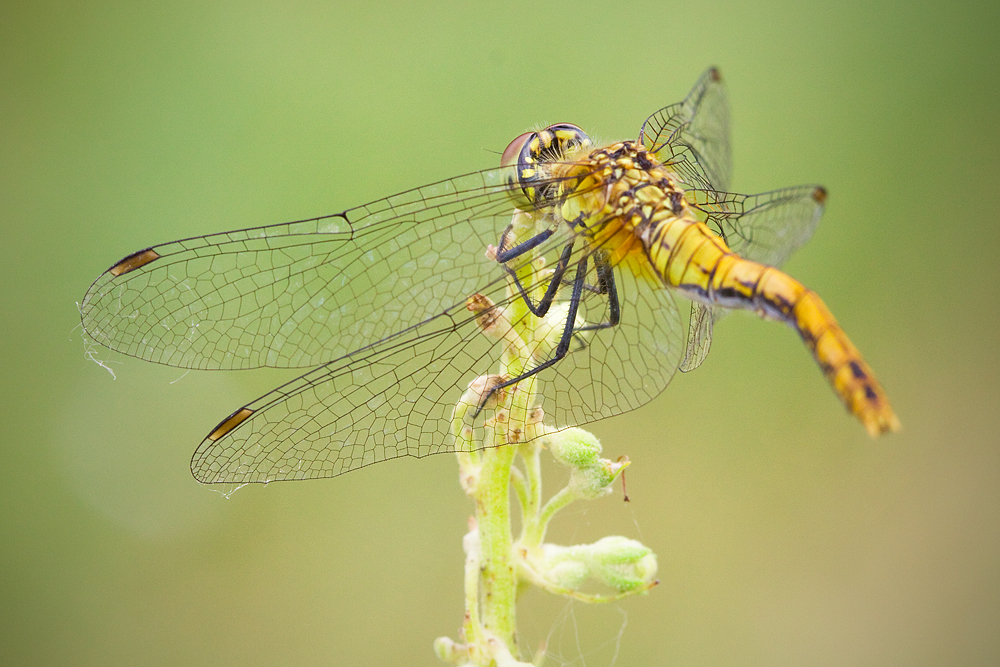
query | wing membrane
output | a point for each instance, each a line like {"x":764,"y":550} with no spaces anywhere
{"x":692,"y":136}
{"x":699,"y":340}
{"x":302,"y":293}
{"x":767,"y":227}
{"x":395,"y":398}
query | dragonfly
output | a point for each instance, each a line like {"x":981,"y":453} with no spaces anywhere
{"x":373,"y":302}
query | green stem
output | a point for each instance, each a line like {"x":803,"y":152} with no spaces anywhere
{"x":497,"y":573}
{"x":536,"y":535}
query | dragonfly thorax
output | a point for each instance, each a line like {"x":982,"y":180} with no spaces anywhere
{"x":614,"y":196}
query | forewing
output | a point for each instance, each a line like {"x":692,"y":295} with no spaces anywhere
{"x":302,"y":293}
{"x":692,"y":136}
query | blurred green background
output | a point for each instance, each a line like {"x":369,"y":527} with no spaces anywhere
{"x":785,"y":536}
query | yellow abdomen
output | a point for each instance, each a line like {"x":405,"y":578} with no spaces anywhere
{"x":633,"y":209}
{"x":689,"y":257}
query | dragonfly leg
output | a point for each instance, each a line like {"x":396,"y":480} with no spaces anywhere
{"x":605,"y":285}
{"x":505,"y":255}
{"x":564,"y":341}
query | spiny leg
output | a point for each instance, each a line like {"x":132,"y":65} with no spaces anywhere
{"x":605,"y":285}
{"x":564,"y":340}
{"x":505,"y":255}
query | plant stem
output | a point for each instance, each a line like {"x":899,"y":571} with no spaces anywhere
{"x":497,"y":573}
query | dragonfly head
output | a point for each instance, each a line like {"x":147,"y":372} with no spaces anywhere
{"x":529,"y":154}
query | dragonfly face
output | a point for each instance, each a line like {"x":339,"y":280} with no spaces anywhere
{"x":528,"y":155}
{"x":373,"y":300}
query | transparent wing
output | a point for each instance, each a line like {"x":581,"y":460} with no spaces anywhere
{"x":699,"y":340}
{"x":396,"y":397}
{"x":302,"y":293}
{"x":692,"y":136}
{"x":765,"y":228}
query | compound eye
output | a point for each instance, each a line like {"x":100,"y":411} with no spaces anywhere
{"x":513,"y":151}
{"x":569,"y":128}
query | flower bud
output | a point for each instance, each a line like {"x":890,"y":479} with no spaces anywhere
{"x":590,"y":475}
{"x":575,"y":447}
{"x":618,"y":562}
